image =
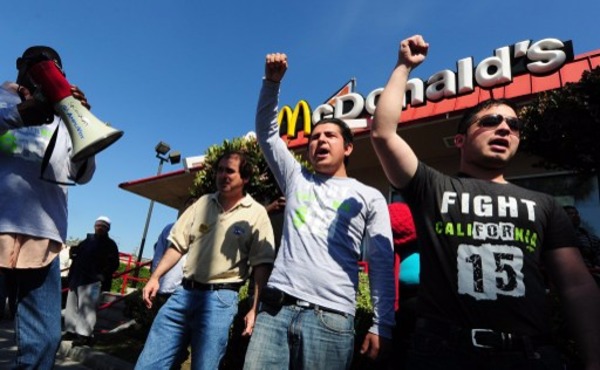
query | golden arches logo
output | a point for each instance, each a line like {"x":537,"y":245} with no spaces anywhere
{"x":288,"y":118}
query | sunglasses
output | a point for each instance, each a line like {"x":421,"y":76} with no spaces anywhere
{"x":494,"y":120}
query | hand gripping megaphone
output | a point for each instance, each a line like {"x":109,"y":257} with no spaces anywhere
{"x":88,"y":134}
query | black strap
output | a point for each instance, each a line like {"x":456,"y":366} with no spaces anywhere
{"x":48,"y":155}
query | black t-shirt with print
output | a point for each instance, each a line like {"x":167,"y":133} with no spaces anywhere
{"x":482,"y":247}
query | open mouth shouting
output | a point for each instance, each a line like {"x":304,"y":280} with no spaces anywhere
{"x":321,"y":153}
{"x":499,"y":144}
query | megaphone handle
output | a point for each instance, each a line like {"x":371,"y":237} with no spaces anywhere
{"x":54,"y":85}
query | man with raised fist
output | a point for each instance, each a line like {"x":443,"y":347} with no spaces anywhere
{"x":482,"y":299}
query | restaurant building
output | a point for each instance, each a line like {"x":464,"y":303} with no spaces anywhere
{"x":433,"y":108}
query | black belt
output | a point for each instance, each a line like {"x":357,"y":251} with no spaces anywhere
{"x":289,"y":300}
{"x":481,"y":338}
{"x":191,"y":284}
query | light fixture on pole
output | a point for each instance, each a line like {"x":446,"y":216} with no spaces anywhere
{"x":162,"y":153}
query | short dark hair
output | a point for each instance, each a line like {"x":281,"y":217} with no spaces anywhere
{"x":38,"y":50}
{"x":344,"y":129}
{"x":469,"y":116}
{"x":246,"y":169}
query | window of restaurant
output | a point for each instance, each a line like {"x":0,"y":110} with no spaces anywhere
{"x":577,"y":190}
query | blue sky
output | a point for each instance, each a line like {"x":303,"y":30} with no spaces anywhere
{"x":188,"y":72}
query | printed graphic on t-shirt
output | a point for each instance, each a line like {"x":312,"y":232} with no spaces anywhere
{"x":320,"y":209}
{"x":28,"y":143}
{"x":487,"y":270}
{"x":495,"y":267}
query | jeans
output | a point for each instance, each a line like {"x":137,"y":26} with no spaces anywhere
{"x":300,"y":338}
{"x":431,"y":352}
{"x":190,"y":317}
{"x":37,"y":318}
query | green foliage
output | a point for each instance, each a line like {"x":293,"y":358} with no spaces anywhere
{"x":117,"y":283}
{"x":71,"y":241}
{"x":363,"y":299}
{"x":364,"y":314}
{"x":563,"y":126}
{"x":262,"y":185}
{"x":364,"y":307}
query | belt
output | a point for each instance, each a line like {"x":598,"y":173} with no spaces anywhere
{"x":191,"y":284}
{"x":289,"y":300}
{"x":481,"y":338}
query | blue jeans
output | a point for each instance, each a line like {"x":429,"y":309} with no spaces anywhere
{"x":202,"y":318}
{"x":300,"y":338}
{"x":37,"y":318}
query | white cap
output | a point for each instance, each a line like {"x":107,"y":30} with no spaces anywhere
{"x":104,"y":220}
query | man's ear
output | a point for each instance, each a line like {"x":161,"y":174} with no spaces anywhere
{"x":348,"y":149}
{"x":459,"y":140}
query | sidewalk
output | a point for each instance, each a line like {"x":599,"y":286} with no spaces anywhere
{"x":68,"y":357}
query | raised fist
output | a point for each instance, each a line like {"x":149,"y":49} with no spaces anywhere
{"x":413,"y":51}
{"x":275,"y":66}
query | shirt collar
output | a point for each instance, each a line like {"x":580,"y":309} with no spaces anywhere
{"x":246,"y":201}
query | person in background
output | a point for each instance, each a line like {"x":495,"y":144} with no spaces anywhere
{"x":94,"y":260}
{"x":172,"y":278}
{"x":589,"y":243}
{"x":308,"y":307}
{"x":482,"y":299}
{"x":33,"y":211}
{"x":406,"y":258}
{"x":65,"y":264}
{"x":275,"y":210}
{"x":226,"y":236}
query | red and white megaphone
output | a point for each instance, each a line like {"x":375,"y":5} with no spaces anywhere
{"x":88,"y":134}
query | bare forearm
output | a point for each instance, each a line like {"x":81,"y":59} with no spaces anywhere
{"x":397,"y":158}
{"x":261,"y":275}
{"x":389,"y":106}
{"x":582,"y":308}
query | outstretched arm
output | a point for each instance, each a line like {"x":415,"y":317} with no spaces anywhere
{"x":170,"y":258}
{"x":396,"y":156}
{"x":281,"y":162}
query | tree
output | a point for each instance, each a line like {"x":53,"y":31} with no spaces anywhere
{"x":71,"y":241}
{"x":563,"y":126}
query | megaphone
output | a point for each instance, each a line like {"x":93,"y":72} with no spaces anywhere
{"x":88,"y":134}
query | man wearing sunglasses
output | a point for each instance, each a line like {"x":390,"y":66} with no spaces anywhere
{"x":482,"y":299}
{"x":33,"y":212}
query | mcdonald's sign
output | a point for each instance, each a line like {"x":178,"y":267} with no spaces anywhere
{"x":288,"y":119}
